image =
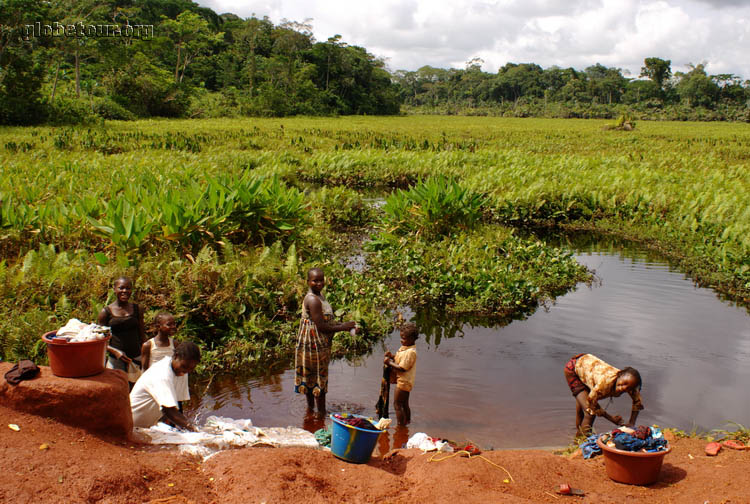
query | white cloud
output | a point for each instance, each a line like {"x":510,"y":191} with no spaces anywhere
{"x":444,"y":33}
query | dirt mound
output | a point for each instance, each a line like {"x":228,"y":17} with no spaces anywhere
{"x":97,"y":403}
{"x":513,"y":476}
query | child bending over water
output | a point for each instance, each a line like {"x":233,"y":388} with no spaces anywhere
{"x":404,"y":363}
{"x":591,"y":379}
{"x":154,"y":396}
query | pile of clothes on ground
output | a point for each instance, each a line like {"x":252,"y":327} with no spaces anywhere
{"x":426,"y":443}
{"x":220,"y":433}
{"x":642,"y":438}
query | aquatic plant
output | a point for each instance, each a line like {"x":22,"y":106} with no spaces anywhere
{"x":489,"y":271}
{"x":342,"y":208}
{"x":434,"y":207}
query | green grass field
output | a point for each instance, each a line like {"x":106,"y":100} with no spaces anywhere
{"x":218,"y":219}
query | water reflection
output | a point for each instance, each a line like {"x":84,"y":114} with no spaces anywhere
{"x":500,"y":383}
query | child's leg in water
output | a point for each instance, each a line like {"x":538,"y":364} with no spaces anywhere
{"x":401,"y":405}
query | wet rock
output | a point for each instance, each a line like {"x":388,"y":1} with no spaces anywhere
{"x":97,"y":403}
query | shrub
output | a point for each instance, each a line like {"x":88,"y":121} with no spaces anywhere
{"x":434,"y":207}
{"x":70,"y":111}
{"x":108,"y":109}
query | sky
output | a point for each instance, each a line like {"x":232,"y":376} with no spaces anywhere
{"x":408,"y":34}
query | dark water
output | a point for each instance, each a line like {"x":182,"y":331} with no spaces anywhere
{"x":503,"y":386}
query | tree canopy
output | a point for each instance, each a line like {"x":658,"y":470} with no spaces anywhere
{"x":126,"y":59}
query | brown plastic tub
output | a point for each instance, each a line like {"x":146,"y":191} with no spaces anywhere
{"x":633,"y":468}
{"x":75,"y":360}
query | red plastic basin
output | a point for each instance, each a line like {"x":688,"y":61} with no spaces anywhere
{"x":78,"y":359}
{"x":633,"y":468}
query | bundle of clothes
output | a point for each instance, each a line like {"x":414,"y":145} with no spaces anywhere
{"x":361,"y":422}
{"x":426,"y":443}
{"x":354,"y":421}
{"x":76,"y":331}
{"x":642,"y":438}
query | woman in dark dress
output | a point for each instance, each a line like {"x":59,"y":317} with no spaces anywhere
{"x":126,"y":322}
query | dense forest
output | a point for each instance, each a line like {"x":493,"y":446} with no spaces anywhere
{"x":72,"y":61}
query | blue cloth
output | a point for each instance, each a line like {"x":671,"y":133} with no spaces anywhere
{"x":627,"y":442}
{"x":589,"y":448}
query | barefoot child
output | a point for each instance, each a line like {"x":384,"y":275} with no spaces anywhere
{"x":404,"y":364}
{"x":313,"y":350}
{"x":161,"y":346}
{"x":154,"y":395}
{"x":591,"y":379}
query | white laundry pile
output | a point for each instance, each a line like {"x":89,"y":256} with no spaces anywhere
{"x":221,"y":433}
{"x":76,"y":331}
{"x":426,"y":443}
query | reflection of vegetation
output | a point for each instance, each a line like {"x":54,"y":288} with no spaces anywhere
{"x":438,"y":325}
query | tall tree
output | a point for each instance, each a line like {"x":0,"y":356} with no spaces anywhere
{"x":255,"y":35}
{"x":696,"y":88}
{"x":659,"y":71}
{"x":21,"y":71}
{"x":191,"y":36}
{"x":290,"y":39}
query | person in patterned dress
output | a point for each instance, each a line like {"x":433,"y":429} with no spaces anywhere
{"x":313,"y":351}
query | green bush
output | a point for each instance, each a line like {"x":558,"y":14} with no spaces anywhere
{"x":434,"y":207}
{"x":70,"y":111}
{"x":108,"y":109}
{"x":241,"y":305}
{"x":205,"y":104}
{"x":484,"y":272}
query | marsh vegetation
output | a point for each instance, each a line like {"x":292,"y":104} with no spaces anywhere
{"x":217,"y":220}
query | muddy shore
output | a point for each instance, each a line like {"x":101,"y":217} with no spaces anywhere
{"x":47,"y":462}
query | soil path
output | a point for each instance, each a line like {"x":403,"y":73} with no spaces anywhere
{"x":78,"y":467}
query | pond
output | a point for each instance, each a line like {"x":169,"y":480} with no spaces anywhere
{"x":503,"y":386}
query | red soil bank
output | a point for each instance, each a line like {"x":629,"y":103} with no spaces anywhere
{"x":80,"y":467}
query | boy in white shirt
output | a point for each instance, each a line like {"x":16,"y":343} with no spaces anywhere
{"x":154,"y":395}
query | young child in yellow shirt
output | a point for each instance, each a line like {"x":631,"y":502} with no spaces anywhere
{"x":404,"y":364}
